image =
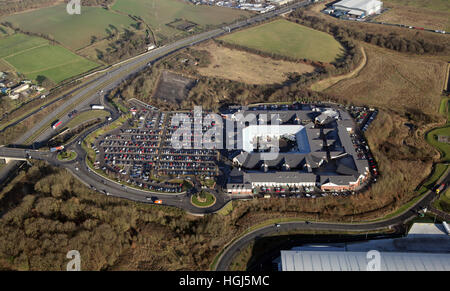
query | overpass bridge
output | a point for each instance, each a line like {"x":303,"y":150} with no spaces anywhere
{"x":18,"y":154}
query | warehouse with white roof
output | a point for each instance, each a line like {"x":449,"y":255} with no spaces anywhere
{"x":359,"y":8}
{"x":425,"y":248}
{"x":358,"y":261}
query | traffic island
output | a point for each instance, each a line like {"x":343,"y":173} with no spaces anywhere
{"x":67,"y":156}
{"x":203,"y":199}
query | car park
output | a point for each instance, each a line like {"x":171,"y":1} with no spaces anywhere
{"x":132,"y":154}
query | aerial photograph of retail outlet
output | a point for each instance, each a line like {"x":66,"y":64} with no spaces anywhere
{"x":236,"y":135}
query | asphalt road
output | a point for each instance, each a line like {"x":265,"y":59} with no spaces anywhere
{"x":113,"y":78}
{"x":229,"y":253}
{"x":90,"y":178}
{"x":136,"y":64}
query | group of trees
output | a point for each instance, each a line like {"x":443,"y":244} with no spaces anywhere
{"x":386,"y":39}
{"x":128,"y":44}
{"x":144,"y":85}
{"x":44,"y":81}
{"x":213,"y":93}
{"x":103,"y":3}
{"x":45,"y":212}
{"x":50,"y":38}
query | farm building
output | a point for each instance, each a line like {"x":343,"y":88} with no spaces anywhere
{"x":359,"y":8}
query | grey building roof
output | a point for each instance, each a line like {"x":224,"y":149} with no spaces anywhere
{"x":357,"y":261}
{"x":335,"y":154}
{"x":285,"y":116}
{"x":345,"y":167}
{"x":340,"y":180}
{"x":237,"y":180}
{"x":294,"y":161}
{"x":344,"y":137}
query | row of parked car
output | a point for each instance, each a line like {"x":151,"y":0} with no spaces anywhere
{"x":139,"y":175}
{"x":293,"y":194}
{"x":133,"y":154}
{"x":305,"y":189}
{"x":294,"y":106}
{"x":136,"y":131}
{"x":197,"y":152}
{"x":369,"y":120}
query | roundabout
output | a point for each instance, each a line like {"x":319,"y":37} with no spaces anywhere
{"x":67,"y":156}
{"x":203,"y":199}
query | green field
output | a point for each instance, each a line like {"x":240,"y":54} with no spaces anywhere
{"x":431,"y":136}
{"x":86,"y":116}
{"x":67,"y":156}
{"x":444,"y":148}
{"x":18,"y":43}
{"x":34,"y":56}
{"x":286,"y":38}
{"x":72,"y":31}
{"x":75,"y":31}
{"x":158,"y":13}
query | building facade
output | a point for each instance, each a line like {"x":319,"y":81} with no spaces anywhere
{"x":314,"y":149}
{"x":359,"y":8}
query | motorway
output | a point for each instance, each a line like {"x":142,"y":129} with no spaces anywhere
{"x":96,"y":182}
{"x":120,"y":72}
{"x":112,"y":78}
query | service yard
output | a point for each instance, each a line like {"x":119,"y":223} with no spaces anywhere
{"x":173,"y":87}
